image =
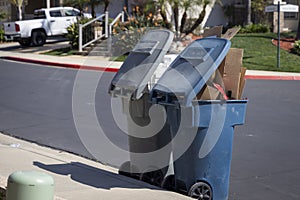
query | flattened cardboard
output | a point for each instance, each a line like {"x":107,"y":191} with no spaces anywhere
{"x":242,"y":82}
{"x":230,"y":33}
{"x":233,"y":61}
{"x":208,"y":93}
{"x":214,"y":31}
{"x":231,"y":83}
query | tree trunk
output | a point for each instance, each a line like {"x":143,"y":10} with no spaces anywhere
{"x":106,"y":4}
{"x":20,"y":11}
{"x":176,"y":16}
{"x":183,"y":20}
{"x":93,"y":10}
{"x":198,"y":21}
{"x":249,"y":13}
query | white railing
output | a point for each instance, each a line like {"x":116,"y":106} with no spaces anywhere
{"x":119,"y":16}
{"x":96,"y":32}
{"x":107,"y":29}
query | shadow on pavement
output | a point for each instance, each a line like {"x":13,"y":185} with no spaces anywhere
{"x":51,"y":44}
{"x":92,"y":176}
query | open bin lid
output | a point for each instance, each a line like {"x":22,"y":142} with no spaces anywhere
{"x":132,"y":78}
{"x":189,"y":72}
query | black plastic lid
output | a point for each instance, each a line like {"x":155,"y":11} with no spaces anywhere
{"x":189,"y":72}
{"x":132,"y":78}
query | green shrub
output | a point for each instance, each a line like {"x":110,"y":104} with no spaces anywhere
{"x":2,"y":39}
{"x":73,"y":33}
{"x":128,"y":33}
{"x":255,"y":28}
{"x":296,"y":48}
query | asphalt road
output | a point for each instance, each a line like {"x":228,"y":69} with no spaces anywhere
{"x":36,"y":104}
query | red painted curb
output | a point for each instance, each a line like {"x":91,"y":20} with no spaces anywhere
{"x":271,"y":77}
{"x":107,"y":69}
{"x":57,"y":64}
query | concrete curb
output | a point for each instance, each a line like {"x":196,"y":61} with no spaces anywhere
{"x":111,"y":69}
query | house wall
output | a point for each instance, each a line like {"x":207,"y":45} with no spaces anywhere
{"x":115,"y":7}
{"x":216,"y":17}
{"x":292,"y":23}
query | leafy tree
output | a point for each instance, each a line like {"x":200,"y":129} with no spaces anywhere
{"x":186,"y":6}
{"x":106,"y":4}
{"x":95,"y":3}
{"x":2,"y":16}
{"x":161,"y":4}
{"x":201,"y":15}
{"x":258,"y":10}
{"x":19,"y":4}
{"x":80,"y":4}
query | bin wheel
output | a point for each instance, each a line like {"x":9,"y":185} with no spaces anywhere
{"x":153,"y":177}
{"x":201,"y":191}
{"x":169,"y":183}
{"x":127,"y":169}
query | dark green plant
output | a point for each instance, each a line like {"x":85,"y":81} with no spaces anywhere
{"x":128,"y":33}
{"x":73,"y":33}
{"x":2,"y":16}
{"x":258,"y":11}
{"x":255,"y":28}
{"x":2,"y":39}
{"x":296,"y":48}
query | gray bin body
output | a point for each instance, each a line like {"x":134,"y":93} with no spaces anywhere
{"x":131,"y":85}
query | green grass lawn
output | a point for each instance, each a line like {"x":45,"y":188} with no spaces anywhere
{"x":61,"y":52}
{"x":261,"y":54}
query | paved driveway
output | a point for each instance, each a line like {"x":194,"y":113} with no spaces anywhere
{"x":55,"y":43}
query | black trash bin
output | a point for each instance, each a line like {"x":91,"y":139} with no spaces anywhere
{"x":131,"y":85}
{"x":202,"y":131}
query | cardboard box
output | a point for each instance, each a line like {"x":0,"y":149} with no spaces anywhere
{"x":230,"y":69}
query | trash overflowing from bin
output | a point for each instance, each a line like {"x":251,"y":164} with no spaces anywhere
{"x":181,"y":123}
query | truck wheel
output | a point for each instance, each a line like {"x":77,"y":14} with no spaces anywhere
{"x":38,"y":38}
{"x":25,"y":42}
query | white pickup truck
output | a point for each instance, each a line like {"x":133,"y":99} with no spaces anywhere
{"x":46,"y":23}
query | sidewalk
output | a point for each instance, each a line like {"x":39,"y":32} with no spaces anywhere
{"x":76,"y":178}
{"x":103,"y":64}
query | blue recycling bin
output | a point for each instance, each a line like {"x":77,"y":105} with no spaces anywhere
{"x":203,"y":169}
{"x":202,"y":131}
